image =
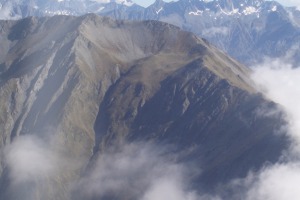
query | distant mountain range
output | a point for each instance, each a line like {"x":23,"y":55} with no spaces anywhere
{"x":248,"y":30}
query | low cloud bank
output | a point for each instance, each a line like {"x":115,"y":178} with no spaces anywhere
{"x":138,"y":171}
{"x":279,"y":80}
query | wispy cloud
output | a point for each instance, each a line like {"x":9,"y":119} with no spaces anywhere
{"x":215,"y":31}
{"x":28,"y":158}
{"x":138,"y":171}
{"x":36,"y":169}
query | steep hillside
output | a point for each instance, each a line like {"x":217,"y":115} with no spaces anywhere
{"x":82,"y":84}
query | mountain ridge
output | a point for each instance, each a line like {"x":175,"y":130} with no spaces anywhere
{"x":89,"y":82}
{"x":249,"y":31}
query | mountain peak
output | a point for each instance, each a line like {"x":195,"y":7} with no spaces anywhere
{"x":234,"y":4}
{"x":123,"y":2}
{"x":158,"y":3}
{"x":102,"y":81}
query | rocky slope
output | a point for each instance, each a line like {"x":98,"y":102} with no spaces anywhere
{"x":83,"y":84}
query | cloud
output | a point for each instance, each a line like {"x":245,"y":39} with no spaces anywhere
{"x":278,"y":182}
{"x":279,"y":80}
{"x":167,"y":188}
{"x":215,"y":31}
{"x":37,"y":166}
{"x":28,"y":158}
{"x":138,"y":171}
{"x":30,"y":166}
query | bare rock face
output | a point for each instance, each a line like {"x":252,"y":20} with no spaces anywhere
{"x":82,"y":84}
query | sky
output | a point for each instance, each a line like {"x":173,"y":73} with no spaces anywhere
{"x":146,"y":3}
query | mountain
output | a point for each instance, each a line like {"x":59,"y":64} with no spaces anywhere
{"x":81,"y":85}
{"x":24,"y":8}
{"x":248,"y":30}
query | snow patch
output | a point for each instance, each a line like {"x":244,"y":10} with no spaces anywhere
{"x":157,"y":12}
{"x":274,"y":9}
{"x":100,"y":9}
{"x":124,"y":2}
{"x":198,"y":12}
{"x":59,"y":12}
{"x":233,"y":12}
{"x":249,"y":10}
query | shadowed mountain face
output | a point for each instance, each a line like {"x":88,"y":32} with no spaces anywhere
{"x":83,"y":84}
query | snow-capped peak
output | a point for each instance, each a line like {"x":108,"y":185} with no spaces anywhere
{"x":125,"y":2}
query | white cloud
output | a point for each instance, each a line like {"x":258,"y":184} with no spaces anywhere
{"x":215,"y":31}
{"x":38,"y":167}
{"x":168,"y":188}
{"x":29,"y":159}
{"x":138,"y":171}
{"x":278,"y":182}
{"x":279,"y":81}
